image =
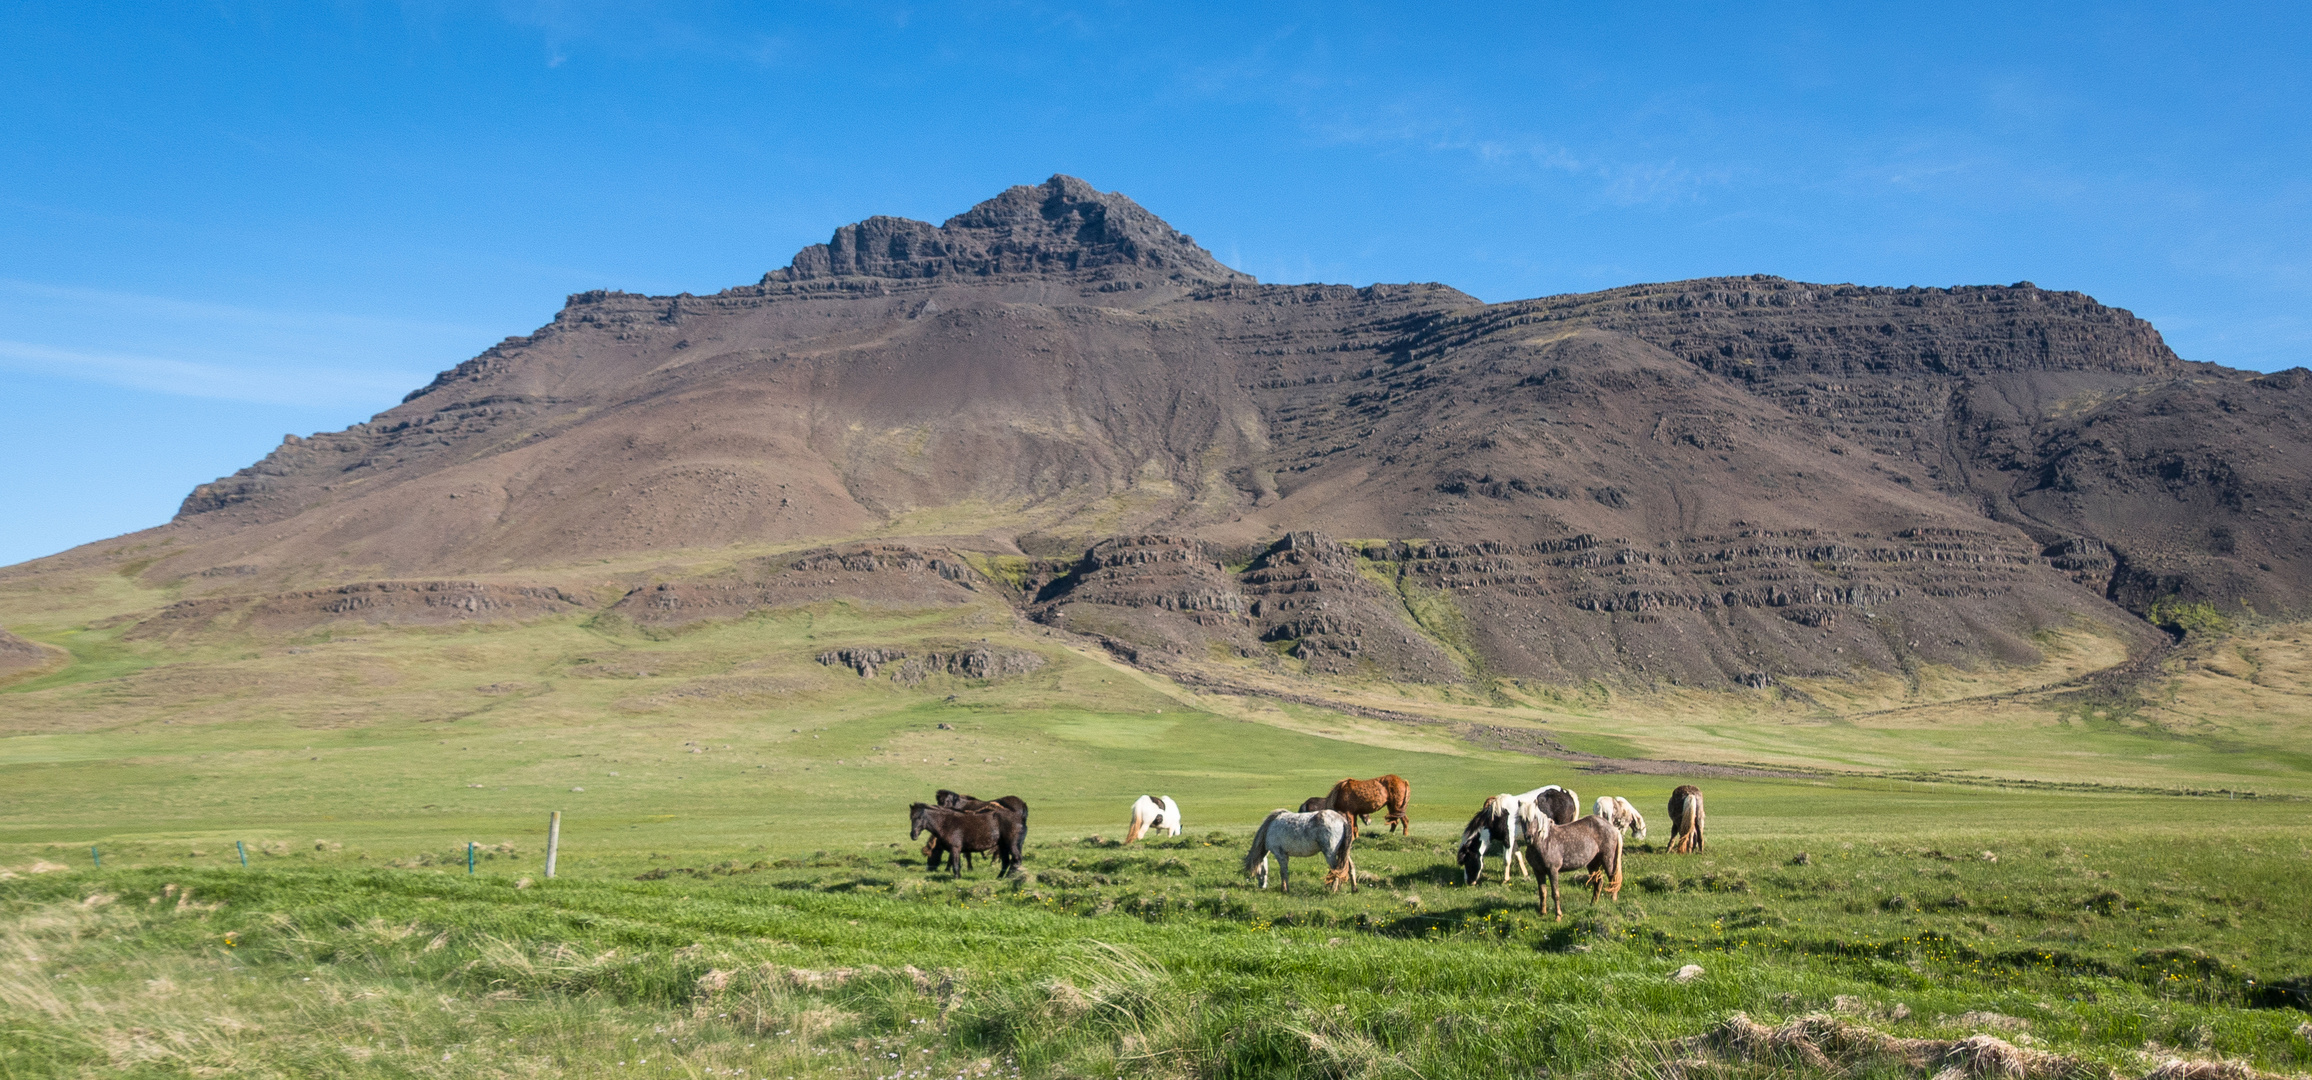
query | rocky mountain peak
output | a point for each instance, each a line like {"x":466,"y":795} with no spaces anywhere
{"x":1061,"y":226}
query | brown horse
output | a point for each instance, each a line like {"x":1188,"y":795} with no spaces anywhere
{"x":1590,"y":843}
{"x":1686,"y":818}
{"x":1312,"y":804}
{"x":1359,"y":798}
{"x":934,"y":849}
{"x":995,"y":829}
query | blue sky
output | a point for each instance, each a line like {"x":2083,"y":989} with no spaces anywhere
{"x":224,"y":222}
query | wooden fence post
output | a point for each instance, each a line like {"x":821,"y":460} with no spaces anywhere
{"x":553,"y":840}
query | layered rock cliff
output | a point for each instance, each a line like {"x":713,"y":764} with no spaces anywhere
{"x":1708,"y":483}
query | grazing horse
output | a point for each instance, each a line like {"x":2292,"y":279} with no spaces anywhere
{"x":1151,"y":812}
{"x":956,"y":800}
{"x":1313,"y":803}
{"x":1686,"y":818}
{"x":1359,"y":798}
{"x":1560,"y":803}
{"x":1589,"y":843}
{"x":995,"y":829}
{"x":1618,"y":812}
{"x":1324,"y":832}
{"x":1497,"y":824}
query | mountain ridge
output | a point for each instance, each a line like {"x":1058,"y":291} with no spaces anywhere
{"x":1711,"y":482}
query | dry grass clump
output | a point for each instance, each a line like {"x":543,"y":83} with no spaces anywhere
{"x":1824,"y":1043}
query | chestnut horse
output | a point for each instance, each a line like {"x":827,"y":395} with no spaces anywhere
{"x":1359,"y":798}
{"x":1686,"y":818}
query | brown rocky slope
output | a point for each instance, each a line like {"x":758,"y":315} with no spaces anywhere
{"x":1707,"y":483}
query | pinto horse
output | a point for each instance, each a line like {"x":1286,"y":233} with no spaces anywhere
{"x":1560,"y":803}
{"x":1359,"y":798}
{"x":1150,"y":813}
{"x":1589,"y":843}
{"x":1495,"y":827}
{"x":1686,"y":819}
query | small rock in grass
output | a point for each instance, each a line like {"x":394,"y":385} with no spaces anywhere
{"x":1802,"y":859}
{"x":524,"y":883}
{"x":577,"y":789}
{"x":1687,"y":974}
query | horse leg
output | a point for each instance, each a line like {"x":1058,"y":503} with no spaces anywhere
{"x":1284,"y":871}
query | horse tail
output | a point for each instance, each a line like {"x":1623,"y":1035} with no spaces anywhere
{"x":1614,"y":868}
{"x":1259,"y":852}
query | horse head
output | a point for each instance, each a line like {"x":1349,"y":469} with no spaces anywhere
{"x":1471,"y":855}
{"x":1535,"y":822}
{"x":918,"y":822}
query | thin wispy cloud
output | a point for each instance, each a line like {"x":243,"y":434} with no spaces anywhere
{"x":198,"y":349}
{"x":186,"y":378}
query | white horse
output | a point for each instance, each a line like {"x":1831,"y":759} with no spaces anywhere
{"x":1289,"y":834}
{"x":1152,"y":812}
{"x":1498,"y":823}
{"x":1617,"y":811}
{"x":1559,"y":803}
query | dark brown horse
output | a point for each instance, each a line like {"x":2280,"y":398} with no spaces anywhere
{"x":1359,"y":798}
{"x":995,"y":830}
{"x":1312,"y":804}
{"x":1590,"y":843}
{"x":933,"y":850}
{"x":1686,"y":818}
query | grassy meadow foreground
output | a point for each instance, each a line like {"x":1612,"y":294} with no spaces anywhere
{"x":2105,"y":883}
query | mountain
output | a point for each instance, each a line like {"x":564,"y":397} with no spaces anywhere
{"x":1059,"y":398}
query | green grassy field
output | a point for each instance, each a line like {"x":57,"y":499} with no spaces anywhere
{"x":738,"y":897}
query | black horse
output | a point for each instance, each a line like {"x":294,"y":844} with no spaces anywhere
{"x":993,"y":828}
{"x":956,"y":800}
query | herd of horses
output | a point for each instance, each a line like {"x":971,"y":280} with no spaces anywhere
{"x":1542,"y":828}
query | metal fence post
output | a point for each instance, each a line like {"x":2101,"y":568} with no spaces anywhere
{"x":553,"y":841}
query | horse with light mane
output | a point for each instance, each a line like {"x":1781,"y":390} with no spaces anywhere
{"x":1560,"y":803}
{"x":1151,"y":812}
{"x":1359,"y":798}
{"x":1497,"y":824}
{"x":1588,"y":843}
{"x":1325,"y":832}
{"x":1686,"y":819}
{"x":1618,"y":812}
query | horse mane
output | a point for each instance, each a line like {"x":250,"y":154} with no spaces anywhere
{"x":1259,"y":850}
{"x":1537,"y":822}
{"x":1479,"y":823}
